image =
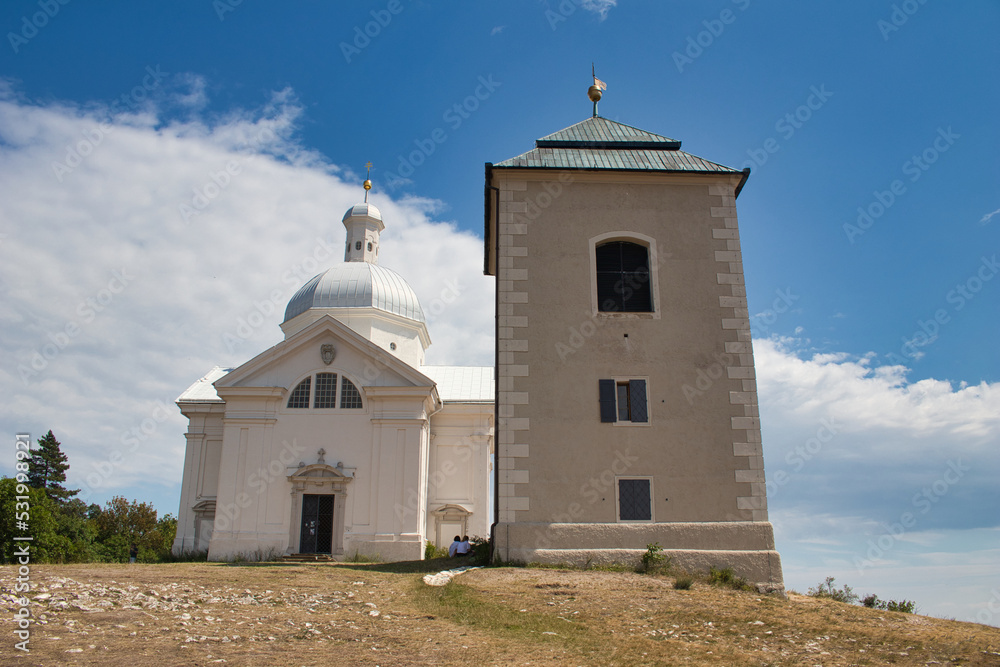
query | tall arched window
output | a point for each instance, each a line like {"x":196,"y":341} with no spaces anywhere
{"x":623,"y":278}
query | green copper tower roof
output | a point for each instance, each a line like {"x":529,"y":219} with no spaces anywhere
{"x":599,"y":143}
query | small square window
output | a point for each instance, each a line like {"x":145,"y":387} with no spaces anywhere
{"x":635,"y":500}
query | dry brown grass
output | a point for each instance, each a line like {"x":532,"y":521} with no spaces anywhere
{"x":380,"y":614}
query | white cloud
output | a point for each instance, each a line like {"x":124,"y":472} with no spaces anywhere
{"x":986,"y":218}
{"x":102,"y":272}
{"x":497,"y":30}
{"x":599,"y":7}
{"x":122,"y":273}
{"x":908,"y":473}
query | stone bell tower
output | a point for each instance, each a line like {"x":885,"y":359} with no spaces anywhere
{"x":619,"y":283}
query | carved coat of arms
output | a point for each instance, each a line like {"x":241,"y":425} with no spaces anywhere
{"x":327,"y":352}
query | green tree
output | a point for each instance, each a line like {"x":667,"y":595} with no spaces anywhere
{"x":29,"y":512}
{"x":122,"y":524}
{"x":166,"y":528}
{"x":73,"y":521}
{"x":47,"y":469}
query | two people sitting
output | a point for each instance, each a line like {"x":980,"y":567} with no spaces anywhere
{"x":460,"y":547}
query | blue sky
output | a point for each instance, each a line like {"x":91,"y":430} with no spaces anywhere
{"x":874,"y":337}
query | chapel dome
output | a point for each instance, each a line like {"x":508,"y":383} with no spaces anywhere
{"x":365,"y":210}
{"x":357,"y":285}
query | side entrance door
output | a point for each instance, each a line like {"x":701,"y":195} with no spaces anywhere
{"x":316,"y":534}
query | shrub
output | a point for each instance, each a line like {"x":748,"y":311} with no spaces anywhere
{"x":480,"y":551}
{"x":653,"y":559}
{"x":904,"y":606}
{"x":728,"y":579}
{"x":826,"y":589}
{"x":432,"y":551}
{"x":683,"y":583}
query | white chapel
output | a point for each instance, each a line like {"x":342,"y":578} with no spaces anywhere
{"x":339,"y":440}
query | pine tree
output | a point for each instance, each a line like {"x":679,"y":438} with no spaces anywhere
{"x":47,"y":469}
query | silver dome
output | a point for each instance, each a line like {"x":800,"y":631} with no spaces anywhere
{"x":365,"y":210}
{"x":357,"y":285}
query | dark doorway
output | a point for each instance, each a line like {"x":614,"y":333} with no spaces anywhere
{"x":316,"y":536}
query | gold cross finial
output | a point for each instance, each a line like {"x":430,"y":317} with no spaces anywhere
{"x":368,"y":180}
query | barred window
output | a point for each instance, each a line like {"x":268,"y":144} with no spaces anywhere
{"x":300,"y":395}
{"x":350,"y":397}
{"x":634,"y":500}
{"x":325,"y":395}
{"x":623,"y":278}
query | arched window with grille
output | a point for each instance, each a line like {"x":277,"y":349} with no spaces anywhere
{"x":624,"y":279}
{"x":299,"y":397}
{"x":322,"y":388}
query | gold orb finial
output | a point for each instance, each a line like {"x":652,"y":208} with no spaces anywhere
{"x":368,"y":180}
{"x":594,"y":92}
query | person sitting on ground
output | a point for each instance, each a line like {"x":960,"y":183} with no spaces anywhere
{"x":453,"y":549}
{"x":464,"y":549}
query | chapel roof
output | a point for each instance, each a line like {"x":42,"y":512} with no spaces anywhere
{"x":203,"y":391}
{"x":364,"y":210}
{"x":462,"y":384}
{"x":357,"y":285}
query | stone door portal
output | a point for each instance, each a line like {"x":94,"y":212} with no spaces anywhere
{"x":316,"y":534}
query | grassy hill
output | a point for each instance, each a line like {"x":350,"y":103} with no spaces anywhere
{"x":382,"y":614}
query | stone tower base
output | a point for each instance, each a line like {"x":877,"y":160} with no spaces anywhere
{"x":746,"y":547}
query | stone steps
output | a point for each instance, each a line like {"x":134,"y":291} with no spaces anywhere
{"x":307,"y":558}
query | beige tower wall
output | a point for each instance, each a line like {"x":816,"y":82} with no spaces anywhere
{"x":701,"y":449}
